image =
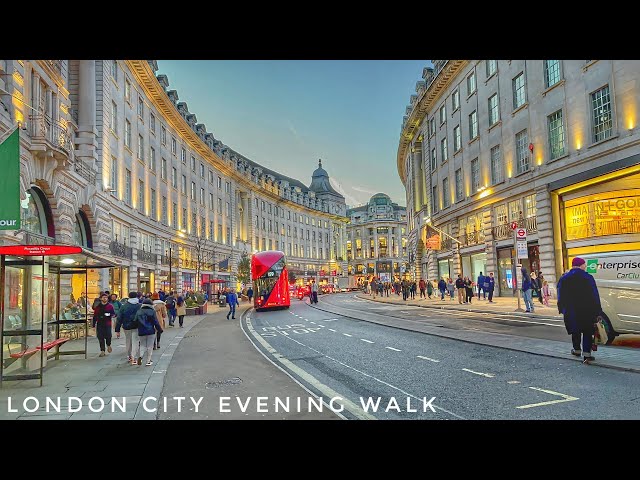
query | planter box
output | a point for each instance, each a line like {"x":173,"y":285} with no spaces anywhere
{"x":191,"y":311}
{"x":203,"y":309}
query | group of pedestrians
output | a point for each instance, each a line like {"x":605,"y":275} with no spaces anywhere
{"x":142,"y":317}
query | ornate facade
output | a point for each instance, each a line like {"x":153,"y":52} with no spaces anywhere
{"x":377,"y":241}
{"x":113,"y":161}
{"x":548,"y":146}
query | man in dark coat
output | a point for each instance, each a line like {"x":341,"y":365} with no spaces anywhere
{"x":579,"y":302}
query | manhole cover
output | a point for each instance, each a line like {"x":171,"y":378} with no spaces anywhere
{"x":220,"y":383}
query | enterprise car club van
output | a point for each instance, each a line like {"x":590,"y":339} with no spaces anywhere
{"x":617,"y":275}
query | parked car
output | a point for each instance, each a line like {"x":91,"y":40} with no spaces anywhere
{"x":328,"y":288}
{"x":617,"y":276}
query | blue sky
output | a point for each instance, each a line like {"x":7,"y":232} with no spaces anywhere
{"x":286,"y":115}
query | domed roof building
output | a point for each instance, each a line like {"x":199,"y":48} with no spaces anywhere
{"x":377,"y":240}
{"x":321,"y":185}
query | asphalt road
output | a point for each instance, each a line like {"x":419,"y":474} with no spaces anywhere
{"x":336,"y":356}
{"x":508,"y":323}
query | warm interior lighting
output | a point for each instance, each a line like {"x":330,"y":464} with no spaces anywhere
{"x":485,"y":193}
{"x":67,"y":261}
{"x":539,"y":161}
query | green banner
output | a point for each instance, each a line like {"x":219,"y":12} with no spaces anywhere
{"x":10,"y":182}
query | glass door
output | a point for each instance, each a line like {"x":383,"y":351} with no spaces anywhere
{"x":24,"y":288}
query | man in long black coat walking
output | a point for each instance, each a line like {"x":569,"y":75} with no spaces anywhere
{"x":579,"y":302}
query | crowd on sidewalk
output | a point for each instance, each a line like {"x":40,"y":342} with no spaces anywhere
{"x":143,"y":318}
{"x":463,"y":287}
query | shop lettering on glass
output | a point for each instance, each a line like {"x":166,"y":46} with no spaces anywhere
{"x":602,"y":217}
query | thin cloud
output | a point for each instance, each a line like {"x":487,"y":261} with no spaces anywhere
{"x":363,"y":190}
{"x":350,"y":200}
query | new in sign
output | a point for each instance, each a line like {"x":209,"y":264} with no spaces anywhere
{"x":521,"y":249}
{"x":521,"y":233}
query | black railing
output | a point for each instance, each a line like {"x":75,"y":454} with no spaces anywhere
{"x":531,"y":224}
{"x":31,"y":238}
{"x":471,"y":238}
{"x":41,"y":127}
{"x":147,"y":257}
{"x":502,"y":232}
{"x":84,"y":171}
{"x":120,"y":250}
{"x":447,"y":243}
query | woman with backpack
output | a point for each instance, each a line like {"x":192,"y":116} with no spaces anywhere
{"x":148,"y":327}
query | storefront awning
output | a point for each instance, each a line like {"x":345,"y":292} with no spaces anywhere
{"x":67,"y":256}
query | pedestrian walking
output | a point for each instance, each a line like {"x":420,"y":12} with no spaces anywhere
{"x":541,"y":281}
{"x":170,"y":304}
{"x":148,"y":327}
{"x":481,"y":287}
{"x":113,"y":300}
{"x":314,"y":292}
{"x":461,"y":289}
{"x":468,"y":287}
{"x":423,"y":287}
{"x":545,"y":293}
{"x":526,"y":290}
{"x":451,"y":288}
{"x":579,"y":303}
{"x":442,"y":286}
{"x":490,"y":285}
{"x":103,"y":314}
{"x":181,"y":310}
{"x":161,"y":314}
{"x":250,"y":293}
{"x":232,"y":300}
{"x":429,"y":288}
{"x":127,"y":321}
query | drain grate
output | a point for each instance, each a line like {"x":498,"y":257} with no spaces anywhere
{"x":220,"y":383}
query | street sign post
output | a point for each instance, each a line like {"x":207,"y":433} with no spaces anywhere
{"x":520,"y":247}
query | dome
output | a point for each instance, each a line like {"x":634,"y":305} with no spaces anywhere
{"x":320,"y":182}
{"x":380,"y":199}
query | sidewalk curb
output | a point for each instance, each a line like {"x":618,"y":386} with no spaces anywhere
{"x":473,"y":310}
{"x":477,"y":342}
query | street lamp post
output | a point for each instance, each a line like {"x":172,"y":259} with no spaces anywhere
{"x":170,"y":277}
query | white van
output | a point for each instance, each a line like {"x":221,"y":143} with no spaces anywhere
{"x":617,"y":275}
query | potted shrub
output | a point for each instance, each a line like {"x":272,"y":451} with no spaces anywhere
{"x":191,"y":306}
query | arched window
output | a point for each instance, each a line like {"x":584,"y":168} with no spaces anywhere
{"x":82,"y":231}
{"x":36,"y":213}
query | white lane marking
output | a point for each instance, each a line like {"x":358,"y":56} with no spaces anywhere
{"x":394,"y":349}
{"x":430,"y":359}
{"x":365,"y":340}
{"x":374,"y":378}
{"x":330,"y":320}
{"x":311,"y":322}
{"x":513,"y":382}
{"x":333,"y":330}
{"x":159,"y":371}
{"x":488,"y":375}
{"x":565,"y":398}
{"x":173,"y":344}
{"x":347,"y":335}
{"x":330,"y":393}
{"x":321,"y":326}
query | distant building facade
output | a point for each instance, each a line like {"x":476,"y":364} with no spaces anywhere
{"x":113,"y":161}
{"x":377,"y":241}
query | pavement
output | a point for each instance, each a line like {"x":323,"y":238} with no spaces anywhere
{"x":208,"y":347}
{"x":500,"y":304}
{"x":617,"y":357}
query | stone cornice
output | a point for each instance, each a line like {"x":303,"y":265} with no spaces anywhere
{"x":423,"y":105}
{"x":147,"y":80}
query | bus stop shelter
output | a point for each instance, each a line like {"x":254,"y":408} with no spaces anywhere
{"x":36,"y":324}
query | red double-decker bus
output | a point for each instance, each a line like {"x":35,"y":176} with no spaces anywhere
{"x":270,"y":280}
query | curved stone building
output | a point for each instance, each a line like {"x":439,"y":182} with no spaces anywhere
{"x":548,"y":146}
{"x":377,"y":241}
{"x":113,"y":161}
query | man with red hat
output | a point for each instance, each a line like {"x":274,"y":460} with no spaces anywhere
{"x":579,"y":302}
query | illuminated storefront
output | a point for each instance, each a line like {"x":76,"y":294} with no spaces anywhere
{"x":600,"y":215}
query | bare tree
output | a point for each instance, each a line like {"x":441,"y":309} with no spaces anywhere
{"x":204,"y":253}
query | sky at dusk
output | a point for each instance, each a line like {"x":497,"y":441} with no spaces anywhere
{"x":287,"y":114}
